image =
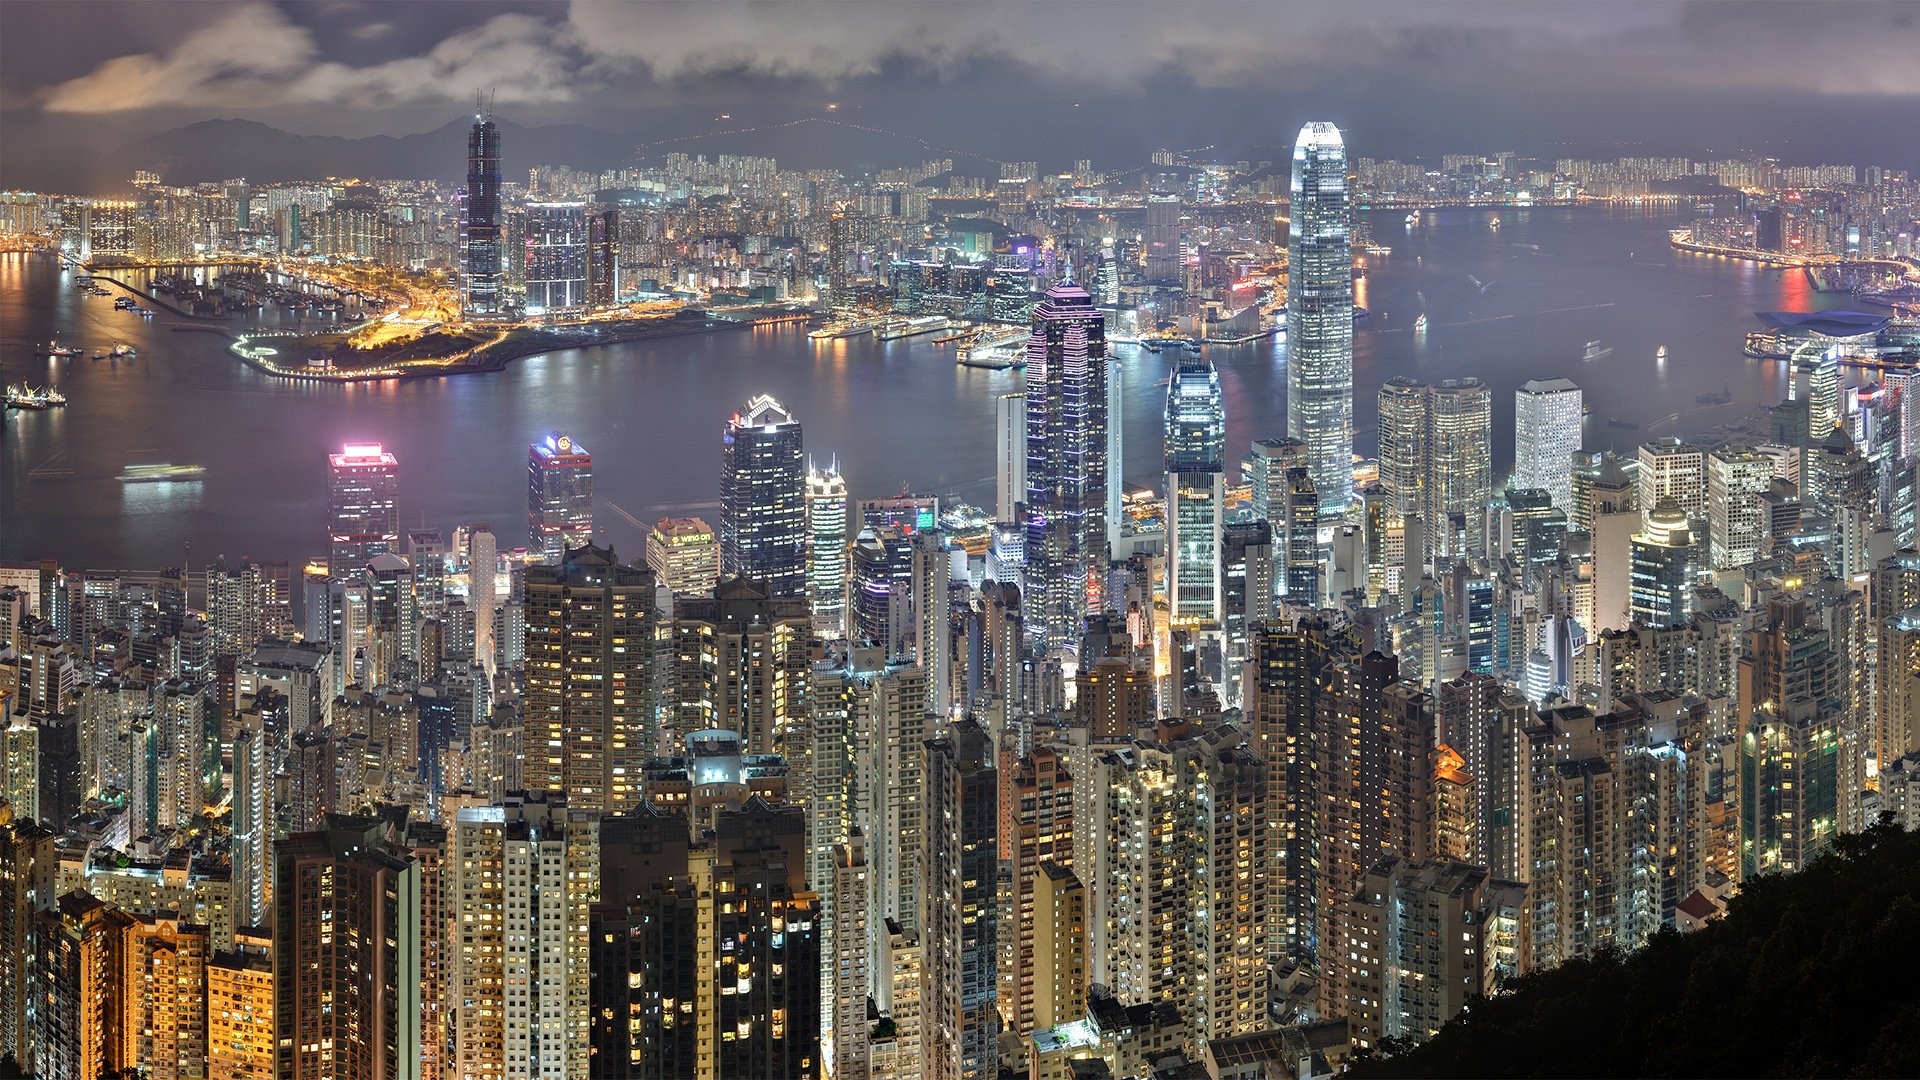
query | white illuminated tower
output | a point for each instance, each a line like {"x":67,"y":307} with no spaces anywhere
{"x":482,"y":594}
{"x":1320,"y":315}
{"x":1546,"y":432}
{"x":1196,"y":445}
{"x":827,"y":518}
{"x":1009,"y":455}
{"x":763,"y":514}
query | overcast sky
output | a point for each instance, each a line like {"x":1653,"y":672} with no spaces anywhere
{"x":1807,"y":80}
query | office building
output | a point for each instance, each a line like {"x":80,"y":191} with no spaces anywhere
{"x":363,"y":518}
{"x":1066,"y":464}
{"x":603,"y":258}
{"x":684,"y":554}
{"x":520,"y":876}
{"x":828,"y":517}
{"x":1320,"y":314}
{"x":1662,"y":567}
{"x":1738,"y":480}
{"x":588,"y":727}
{"x":481,"y":258}
{"x":763,"y":514}
{"x":1402,"y":445}
{"x":1671,"y":469}
{"x":1196,"y":438}
{"x":559,"y":496}
{"x":347,"y":931}
{"x":1436,"y":459}
{"x":1546,"y":432}
{"x":1009,"y":455}
{"x":555,"y":260}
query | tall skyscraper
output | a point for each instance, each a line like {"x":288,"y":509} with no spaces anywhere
{"x":480,"y":255}
{"x":483,"y":592}
{"x":1403,"y":440}
{"x":1116,"y":454}
{"x":742,"y":663}
{"x":961,"y":917}
{"x":559,"y":496}
{"x":684,"y":553}
{"x":556,"y":260}
{"x":1320,"y":314}
{"x":1662,"y":567}
{"x":1196,"y":445}
{"x":363,"y":520}
{"x":828,"y":518}
{"x":603,"y":258}
{"x":763,"y":513}
{"x":1546,"y":432}
{"x":1066,"y":463}
{"x":1163,"y":239}
{"x":1459,"y":481}
{"x":347,"y":933}
{"x":588,"y":729}
{"x":1009,"y":455}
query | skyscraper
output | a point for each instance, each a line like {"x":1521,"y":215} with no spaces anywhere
{"x":961,"y":917}
{"x":559,"y":496}
{"x":1163,"y":239}
{"x":1009,"y":455}
{"x":1662,"y":567}
{"x":603,"y":258}
{"x":1459,"y":481}
{"x":1196,"y":438}
{"x":1546,"y":432}
{"x":480,"y":262}
{"x":828,"y":518}
{"x":1320,"y":314}
{"x":684,"y":553}
{"x":763,"y":514}
{"x":1066,"y":463}
{"x":588,"y":729}
{"x":556,"y":260}
{"x":363,"y":521}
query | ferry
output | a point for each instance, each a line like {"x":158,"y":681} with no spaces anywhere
{"x":1660,"y":353}
{"x":123,"y":303}
{"x":1421,"y":322}
{"x":1494,"y":224}
{"x":1413,"y":219}
{"x":155,"y":474}
{"x":895,"y":329}
{"x":22,"y":396}
{"x":124,"y":351}
{"x":997,"y":353}
{"x":54,"y":348}
{"x":948,"y":339}
{"x":1597,"y":351}
{"x":840,"y":330}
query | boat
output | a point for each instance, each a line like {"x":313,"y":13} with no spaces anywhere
{"x":124,"y":351}
{"x":1724,"y":396}
{"x":22,"y":396}
{"x":1413,"y":219}
{"x":1421,"y":322}
{"x":155,"y":474}
{"x":54,"y":348}
{"x":1494,"y":224}
{"x":895,"y":329}
{"x":99,"y":354}
{"x":997,"y":353}
{"x":948,"y":339}
{"x":1624,"y":425}
{"x":840,"y":330}
{"x":1660,"y":353}
{"x":123,"y":303}
{"x":1597,"y":351}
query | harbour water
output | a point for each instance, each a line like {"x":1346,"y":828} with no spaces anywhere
{"x":1506,"y":306}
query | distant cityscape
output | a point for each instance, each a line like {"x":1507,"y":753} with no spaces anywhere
{"x":1289,"y":757}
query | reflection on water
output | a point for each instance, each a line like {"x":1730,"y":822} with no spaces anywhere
{"x":895,"y":413}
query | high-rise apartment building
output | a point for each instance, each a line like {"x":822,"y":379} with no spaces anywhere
{"x":559,"y":496}
{"x":1036,"y":829}
{"x":363,"y":519}
{"x":1738,"y":480}
{"x":588,"y":726}
{"x":29,"y":865}
{"x":347,"y":929}
{"x":742,"y":663}
{"x":520,"y":876}
{"x":763,"y":513}
{"x":1546,"y":432}
{"x":240,"y":1027}
{"x":961,"y":913}
{"x":481,"y":262}
{"x":603,"y":258}
{"x":1066,"y":464}
{"x":1320,"y":314}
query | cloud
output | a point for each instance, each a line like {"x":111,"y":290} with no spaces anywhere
{"x":249,"y":45}
{"x":372,"y":31}
{"x":517,"y":56}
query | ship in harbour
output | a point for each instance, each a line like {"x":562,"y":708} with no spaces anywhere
{"x":22,"y":396}
{"x":161,"y":474}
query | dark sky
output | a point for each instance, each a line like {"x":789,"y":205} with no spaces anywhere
{"x":1054,"y":80}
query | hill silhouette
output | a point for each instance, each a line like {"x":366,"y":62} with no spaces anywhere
{"x":1808,"y":974}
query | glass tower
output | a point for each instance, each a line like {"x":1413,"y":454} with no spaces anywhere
{"x":763,"y":514}
{"x":1320,"y":315}
{"x":827,"y":517}
{"x":363,"y":521}
{"x":559,"y":496}
{"x":1196,"y":451}
{"x":480,"y":220}
{"x":556,"y":257}
{"x":1066,"y":463}
{"x":1546,"y":432}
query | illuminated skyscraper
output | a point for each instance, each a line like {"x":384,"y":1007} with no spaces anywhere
{"x":685,"y":554}
{"x":961,"y":927}
{"x":1009,"y":455}
{"x":603,"y":258}
{"x":1459,"y":481}
{"x":1163,"y":239}
{"x":363,"y":519}
{"x":1662,"y":567}
{"x":559,"y":496}
{"x":1546,"y":432}
{"x":763,"y":513}
{"x":1196,"y":445}
{"x":1066,"y":463}
{"x":587,"y":726}
{"x":1320,"y":314}
{"x":556,"y":257}
{"x":480,"y":262}
{"x":828,"y":516}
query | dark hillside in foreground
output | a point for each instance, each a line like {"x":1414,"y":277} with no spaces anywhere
{"x":1809,"y":975}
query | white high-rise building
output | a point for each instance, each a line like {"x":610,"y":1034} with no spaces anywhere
{"x":483,"y":557}
{"x":827,"y":522}
{"x":1009,"y":455}
{"x":521,"y":876}
{"x":1320,"y":314}
{"x":1546,"y":432}
{"x":1671,"y":469}
{"x":1737,"y":481}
